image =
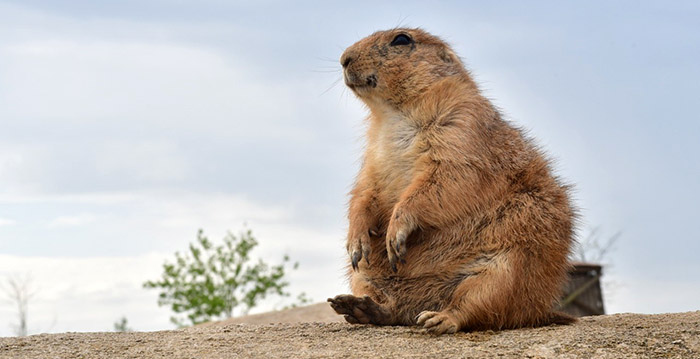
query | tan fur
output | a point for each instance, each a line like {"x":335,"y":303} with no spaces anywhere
{"x":454,"y":198}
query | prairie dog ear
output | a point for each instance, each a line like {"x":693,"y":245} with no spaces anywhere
{"x":447,"y":55}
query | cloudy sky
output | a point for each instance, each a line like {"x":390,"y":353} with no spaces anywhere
{"x":126,"y":126}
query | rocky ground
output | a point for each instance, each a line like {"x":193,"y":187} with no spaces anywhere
{"x":612,"y":336}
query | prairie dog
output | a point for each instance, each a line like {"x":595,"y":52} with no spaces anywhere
{"x":455,"y":220}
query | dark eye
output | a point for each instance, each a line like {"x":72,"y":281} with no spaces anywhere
{"x":401,"y":39}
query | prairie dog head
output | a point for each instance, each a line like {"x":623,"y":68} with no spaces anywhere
{"x":395,"y":66}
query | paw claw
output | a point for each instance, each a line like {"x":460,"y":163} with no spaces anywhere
{"x":423,"y":316}
{"x":358,"y":247}
{"x":438,"y":322}
{"x":400,"y":227}
{"x":356,"y":256}
{"x":350,"y":319}
{"x":359,"y":310}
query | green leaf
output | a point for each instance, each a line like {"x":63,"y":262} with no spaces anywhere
{"x":211,"y":280}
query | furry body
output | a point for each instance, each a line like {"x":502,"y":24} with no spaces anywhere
{"x":455,"y":220}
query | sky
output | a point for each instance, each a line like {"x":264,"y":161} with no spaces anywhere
{"x":127,"y":126}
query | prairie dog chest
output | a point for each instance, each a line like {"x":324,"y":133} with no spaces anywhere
{"x":393,"y":149}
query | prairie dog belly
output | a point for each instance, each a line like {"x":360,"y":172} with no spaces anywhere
{"x":393,"y":149}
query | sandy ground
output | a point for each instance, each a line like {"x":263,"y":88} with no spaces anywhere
{"x":319,"y":312}
{"x":613,"y":336}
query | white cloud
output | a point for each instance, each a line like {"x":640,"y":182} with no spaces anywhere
{"x":145,"y":161}
{"x":94,"y":198}
{"x":182,"y":209}
{"x":80,"y":294}
{"x":17,"y":166}
{"x":72,"y":221}
{"x":8,"y":160}
{"x":147,"y":109}
{"x":6,"y":222}
{"x":167,"y":219}
{"x":90,"y":294}
{"x":134,"y":84}
{"x":97,"y":112}
{"x":638,"y":295}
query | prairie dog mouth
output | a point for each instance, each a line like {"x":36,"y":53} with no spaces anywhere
{"x":356,"y":82}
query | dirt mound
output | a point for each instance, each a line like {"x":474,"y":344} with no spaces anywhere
{"x":612,"y":336}
{"x":319,"y":312}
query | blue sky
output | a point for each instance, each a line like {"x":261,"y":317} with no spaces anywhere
{"x":126,"y":126}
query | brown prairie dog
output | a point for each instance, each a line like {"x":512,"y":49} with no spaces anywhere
{"x":455,"y":220}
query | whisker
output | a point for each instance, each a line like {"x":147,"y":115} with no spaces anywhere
{"x":331,"y":86}
{"x":327,"y":71}
{"x":327,"y":59}
{"x":344,"y":95}
{"x":401,"y":22}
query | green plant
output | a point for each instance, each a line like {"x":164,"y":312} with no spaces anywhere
{"x":210,"y":281}
{"x":122,"y":325}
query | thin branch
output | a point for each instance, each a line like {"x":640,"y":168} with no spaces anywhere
{"x":19,"y":293}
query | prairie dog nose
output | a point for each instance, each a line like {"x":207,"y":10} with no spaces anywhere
{"x":345,"y":61}
{"x":347,"y":58}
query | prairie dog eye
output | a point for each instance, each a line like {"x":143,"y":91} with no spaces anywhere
{"x":401,"y":39}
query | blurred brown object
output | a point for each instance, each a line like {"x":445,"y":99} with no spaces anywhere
{"x":583,"y":295}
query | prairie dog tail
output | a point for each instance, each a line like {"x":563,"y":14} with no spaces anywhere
{"x":561,"y":318}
